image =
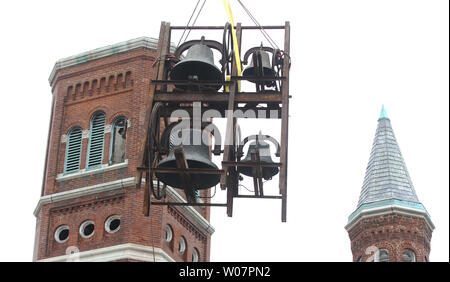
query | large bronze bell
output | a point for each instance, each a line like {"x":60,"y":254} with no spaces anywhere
{"x":197,"y":65}
{"x":197,"y":156}
{"x":260,"y":66}
{"x":264,"y":156}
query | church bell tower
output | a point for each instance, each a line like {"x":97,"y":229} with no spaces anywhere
{"x":90,"y":208}
{"x":389,"y":223}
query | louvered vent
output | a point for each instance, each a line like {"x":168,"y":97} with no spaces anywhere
{"x":73,"y":150}
{"x":96,"y":140}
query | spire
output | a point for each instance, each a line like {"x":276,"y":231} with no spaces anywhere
{"x":389,"y":215}
{"x":386,"y":176}
{"x":383,"y":114}
{"x":387,"y":181}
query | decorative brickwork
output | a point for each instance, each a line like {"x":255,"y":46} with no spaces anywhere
{"x":84,"y":91}
{"x":393,"y":232}
{"x":115,"y":80}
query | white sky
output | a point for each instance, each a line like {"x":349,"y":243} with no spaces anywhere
{"x":348,"y":58}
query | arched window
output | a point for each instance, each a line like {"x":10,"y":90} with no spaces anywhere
{"x":383,"y":255}
{"x":96,"y":140}
{"x":118,"y":140}
{"x":73,"y":150}
{"x":169,"y":233}
{"x":195,"y":255}
{"x":408,"y":255}
{"x":182,"y":245}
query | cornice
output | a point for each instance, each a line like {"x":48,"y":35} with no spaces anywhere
{"x":114,"y":253}
{"x":190,"y":212}
{"x":389,"y":210}
{"x":102,"y":52}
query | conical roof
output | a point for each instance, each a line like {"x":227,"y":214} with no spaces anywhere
{"x":387,"y":184}
{"x":386,"y":175}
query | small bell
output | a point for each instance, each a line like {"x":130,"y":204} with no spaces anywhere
{"x":260,"y":66}
{"x":264,"y":156}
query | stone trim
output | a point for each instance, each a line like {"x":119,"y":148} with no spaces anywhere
{"x":84,"y":172}
{"x":81,"y":192}
{"x":120,"y":184}
{"x":85,"y":134}
{"x":388,"y":210}
{"x":388,"y":202}
{"x":108,"y":128}
{"x":190,"y":210}
{"x":118,"y":252}
{"x":102,"y":52}
{"x":186,"y":224}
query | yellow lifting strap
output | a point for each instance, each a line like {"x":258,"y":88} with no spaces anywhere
{"x":235,"y":44}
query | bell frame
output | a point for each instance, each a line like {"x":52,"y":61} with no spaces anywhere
{"x":162,"y":99}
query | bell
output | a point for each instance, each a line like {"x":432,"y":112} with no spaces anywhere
{"x":264,"y":157}
{"x":267,"y":70}
{"x":197,"y":156}
{"x":197,"y":65}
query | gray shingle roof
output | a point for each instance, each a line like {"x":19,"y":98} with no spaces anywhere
{"x":386,"y":175}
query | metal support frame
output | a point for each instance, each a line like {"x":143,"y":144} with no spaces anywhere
{"x":161,"y":91}
{"x":186,"y":182}
{"x":257,"y":172}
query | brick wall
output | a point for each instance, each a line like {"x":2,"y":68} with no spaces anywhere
{"x":394,"y":232}
{"x":117,"y":85}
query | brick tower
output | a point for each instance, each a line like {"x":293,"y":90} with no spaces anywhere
{"x":90,"y":208}
{"x":389,"y":223}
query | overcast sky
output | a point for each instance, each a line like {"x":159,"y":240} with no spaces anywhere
{"x":348,"y":58}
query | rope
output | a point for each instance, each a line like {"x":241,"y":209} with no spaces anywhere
{"x":151,"y":232}
{"x":241,"y":185}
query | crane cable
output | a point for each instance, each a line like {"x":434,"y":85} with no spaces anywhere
{"x":233,"y":31}
{"x":263,"y":31}
{"x":266,"y":35}
{"x":189,"y":21}
{"x":195,"y":20}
